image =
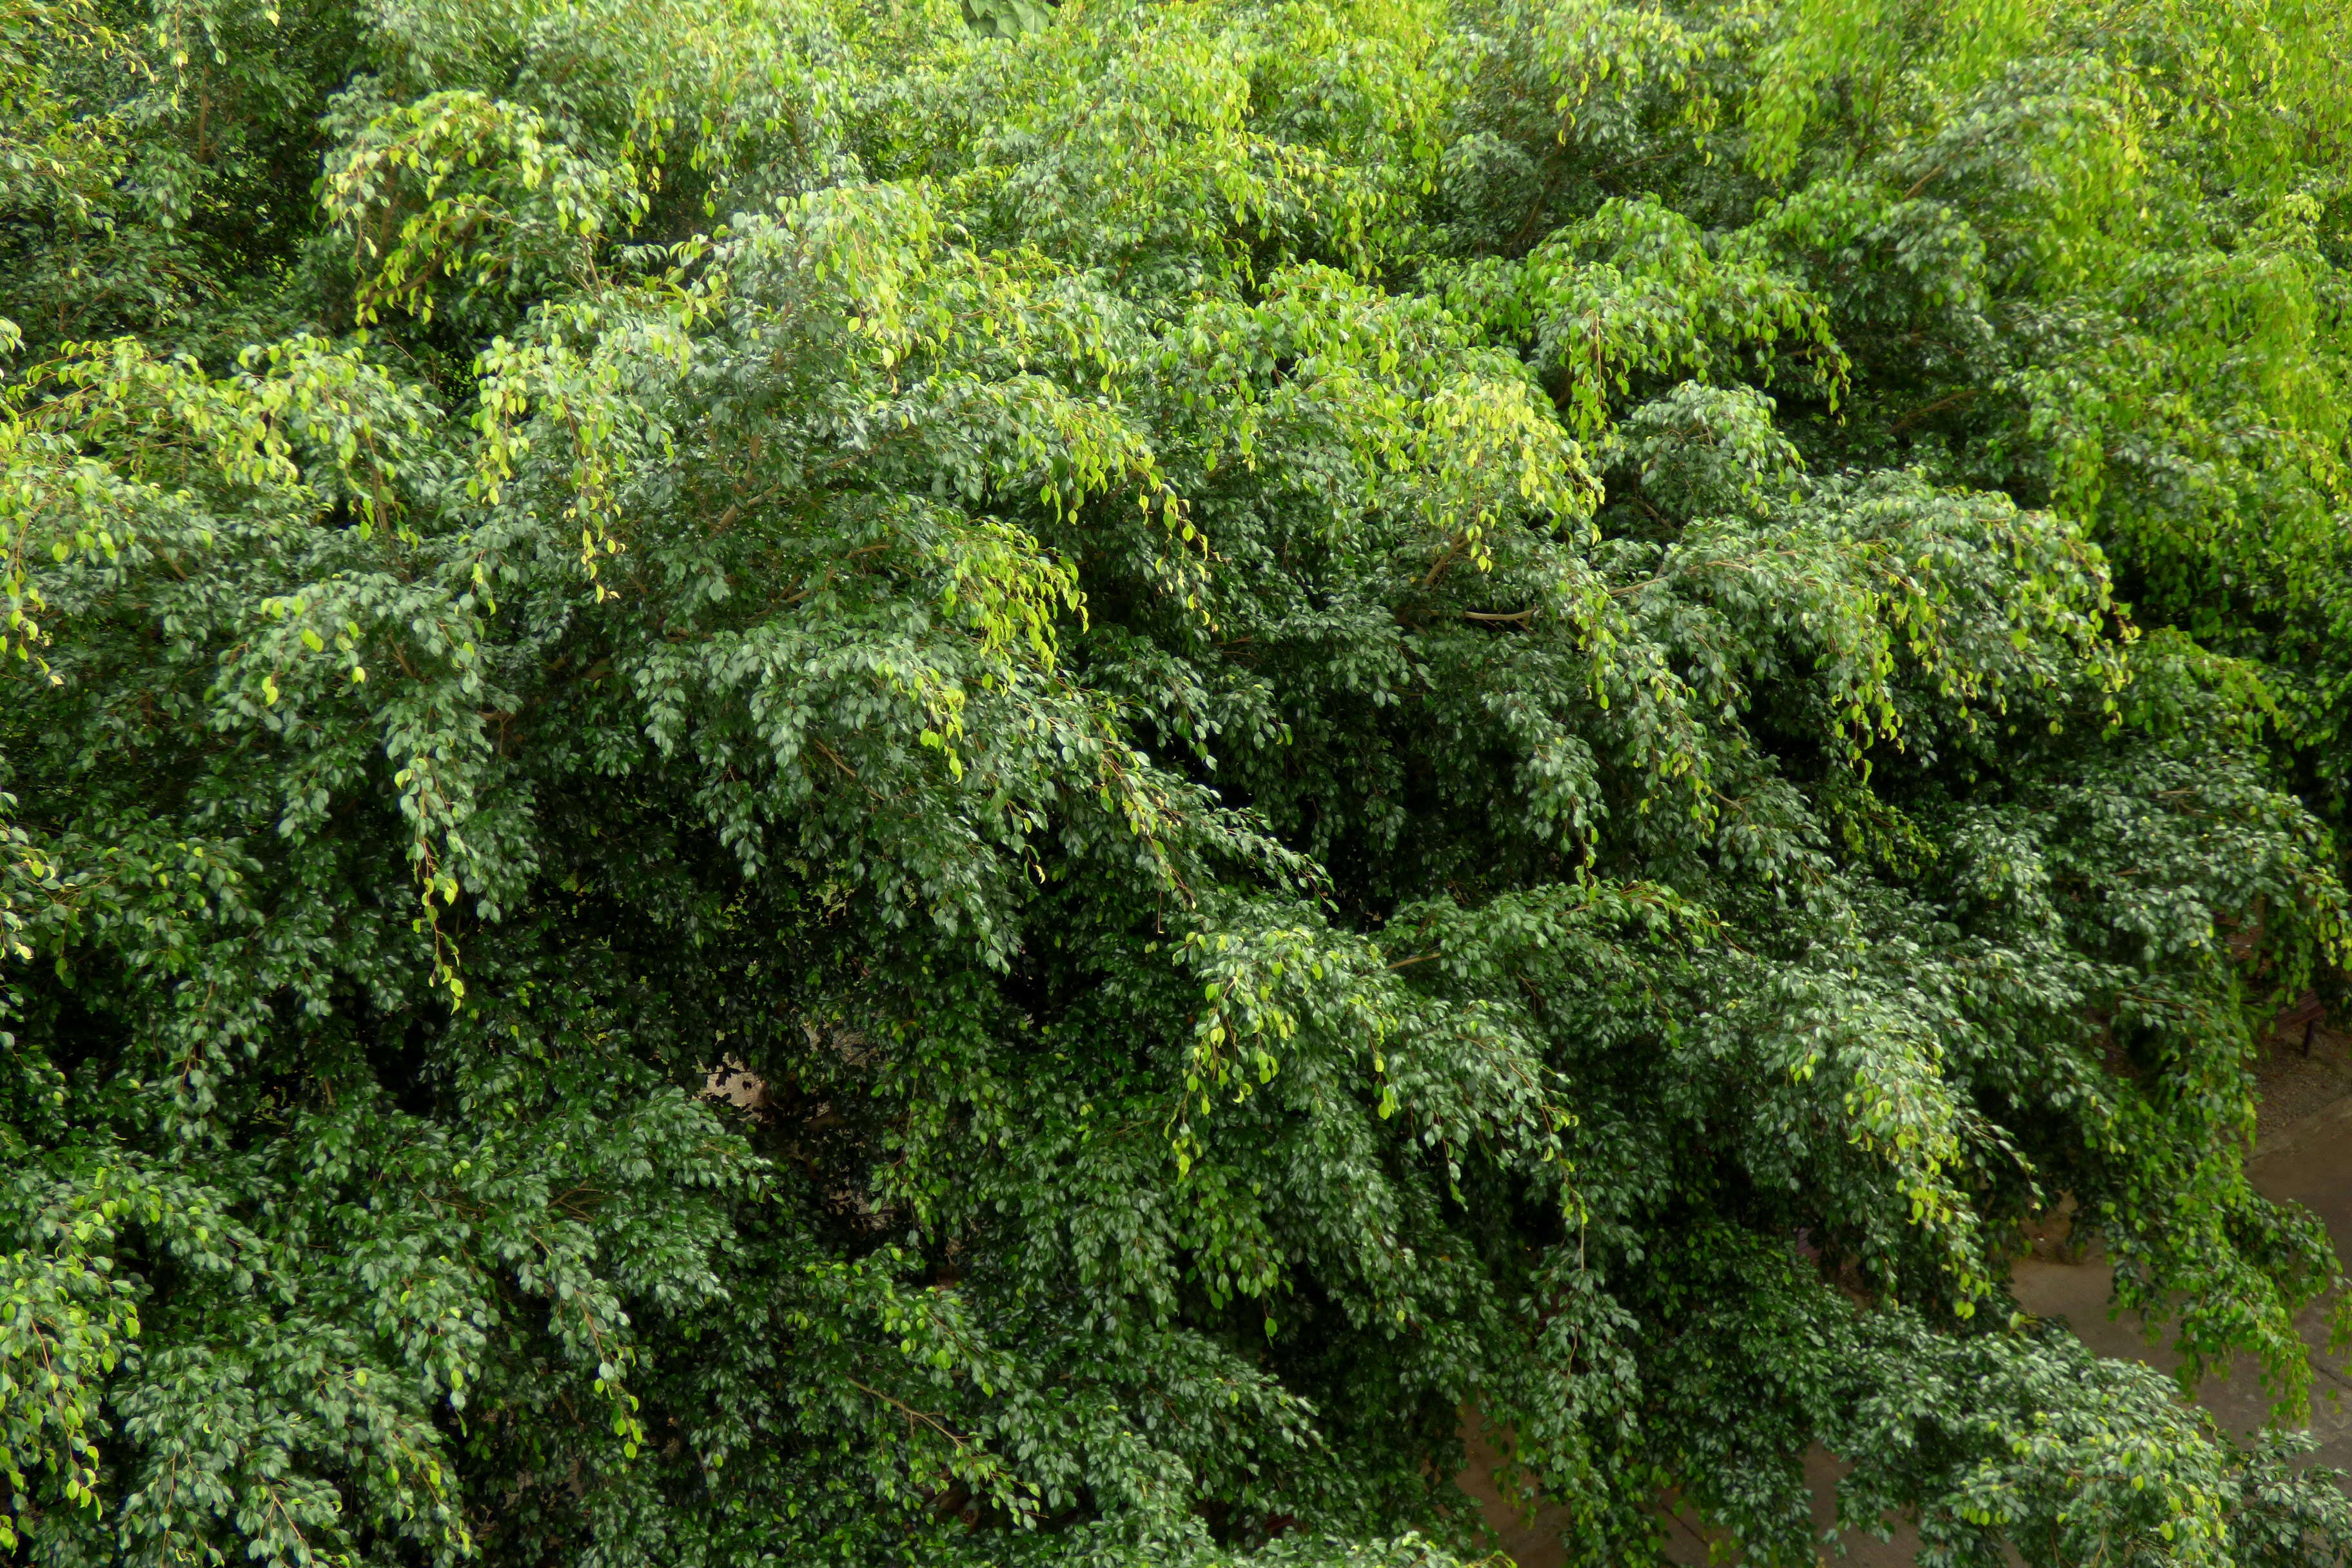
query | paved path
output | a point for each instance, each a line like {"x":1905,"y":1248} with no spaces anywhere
{"x":2308,"y":1162}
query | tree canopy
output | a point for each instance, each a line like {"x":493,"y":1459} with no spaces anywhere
{"x":1355,"y":711}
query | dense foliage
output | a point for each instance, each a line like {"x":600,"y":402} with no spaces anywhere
{"x":1358,"y":711}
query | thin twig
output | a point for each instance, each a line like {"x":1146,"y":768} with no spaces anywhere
{"x":913,"y":1415}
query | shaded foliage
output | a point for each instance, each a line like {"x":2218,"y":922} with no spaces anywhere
{"x":1355,"y":709}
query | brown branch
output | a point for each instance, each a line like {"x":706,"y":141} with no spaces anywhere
{"x":833,"y":756}
{"x":912,"y":1413}
{"x":1452,"y":553}
{"x":1949,"y":400}
{"x":1922,"y":184}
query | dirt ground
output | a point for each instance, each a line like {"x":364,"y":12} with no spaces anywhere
{"x":2302,"y":1155}
{"x":2295,"y":1085}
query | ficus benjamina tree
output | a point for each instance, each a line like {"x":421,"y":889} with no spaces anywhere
{"x":1339,"y":717}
